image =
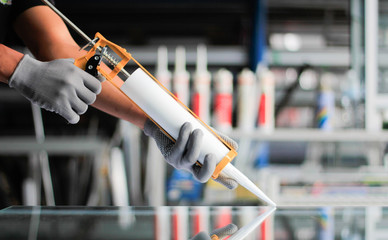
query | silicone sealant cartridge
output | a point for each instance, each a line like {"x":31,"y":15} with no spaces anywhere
{"x":170,"y":114}
{"x":266,"y":118}
{"x":325,"y":103}
{"x":223,"y":100}
{"x":201,"y":83}
{"x":181,"y":77}
{"x":162,"y":73}
{"x":246,"y":100}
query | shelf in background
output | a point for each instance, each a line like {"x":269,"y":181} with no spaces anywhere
{"x":338,"y":200}
{"x":71,"y":145}
{"x":239,"y":56}
{"x":217,"y":55}
{"x":328,"y":57}
{"x":313,"y":135}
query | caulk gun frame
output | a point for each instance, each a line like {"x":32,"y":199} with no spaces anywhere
{"x":119,"y":67}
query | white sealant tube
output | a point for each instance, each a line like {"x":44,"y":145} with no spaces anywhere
{"x":171,"y":115}
{"x":167,"y":112}
{"x":246,"y":100}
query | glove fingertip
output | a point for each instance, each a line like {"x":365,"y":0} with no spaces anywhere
{"x":99,"y":89}
{"x":230,"y":185}
{"x":92,"y":83}
{"x":228,"y":182}
{"x":101,"y":78}
{"x":186,"y":127}
{"x":211,"y":160}
{"x":207,"y":169}
{"x":74,"y":119}
{"x":231,"y":228}
{"x":223,"y":232}
{"x":201,"y":236}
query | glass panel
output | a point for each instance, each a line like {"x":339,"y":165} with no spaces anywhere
{"x":315,"y":222}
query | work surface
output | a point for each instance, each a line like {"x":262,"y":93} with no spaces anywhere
{"x":184,"y":222}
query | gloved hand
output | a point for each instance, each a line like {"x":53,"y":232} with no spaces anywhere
{"x":219,"y":233}
{"x":184,"y":153}
{"x":57,"y":86}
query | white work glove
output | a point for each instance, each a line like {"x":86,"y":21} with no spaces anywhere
{"x":57,"y":86}
{"x":219,"y":233}
{"x":184,"y":153}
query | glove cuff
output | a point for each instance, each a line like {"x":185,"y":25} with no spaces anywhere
{"x":162,"y":141}
{"x":24,"y":66}
{"x":150,"y":128}
{"x":12,"y":80}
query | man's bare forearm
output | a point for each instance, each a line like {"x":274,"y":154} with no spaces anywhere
{"x":9,"y":60}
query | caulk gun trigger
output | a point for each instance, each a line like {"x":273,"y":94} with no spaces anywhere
{"x":92,"y":63}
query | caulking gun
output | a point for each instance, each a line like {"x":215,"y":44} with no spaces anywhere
{"x":159,"y":104}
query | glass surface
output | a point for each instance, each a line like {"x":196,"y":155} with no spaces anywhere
{"x":185,"y":222}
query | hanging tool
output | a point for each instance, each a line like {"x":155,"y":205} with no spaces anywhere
{"x":159,"y":104}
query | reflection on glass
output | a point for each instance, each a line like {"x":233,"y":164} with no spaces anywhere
{"x":159,"y":223}
{"x":253,"y":225}
{"x":183,"y":223}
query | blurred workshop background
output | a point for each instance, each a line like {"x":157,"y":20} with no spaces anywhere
{"x":300,"y":85}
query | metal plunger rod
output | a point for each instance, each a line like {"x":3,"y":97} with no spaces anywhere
{"x":79,"y":31}
{"x":67,"y":21}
